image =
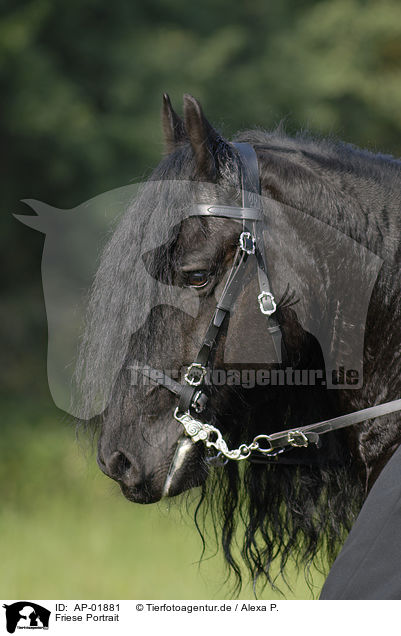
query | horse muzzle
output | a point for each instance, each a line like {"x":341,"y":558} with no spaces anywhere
{"x":143,"y":480}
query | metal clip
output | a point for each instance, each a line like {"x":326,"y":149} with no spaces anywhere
{"x":266,"y":297}
{"x":247,"y":243}
{"x":297,"y":439}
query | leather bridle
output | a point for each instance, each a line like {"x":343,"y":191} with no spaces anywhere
{"x":191,"y":394}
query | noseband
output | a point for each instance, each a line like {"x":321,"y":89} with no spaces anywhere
{"x":191,"y":394}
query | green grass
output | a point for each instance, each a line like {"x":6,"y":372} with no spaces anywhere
{"x":66,"y":532}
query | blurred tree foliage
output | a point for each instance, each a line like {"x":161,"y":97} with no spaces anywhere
{"x":80,"y":91}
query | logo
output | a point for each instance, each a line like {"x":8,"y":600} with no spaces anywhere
{"x":26,"y":615}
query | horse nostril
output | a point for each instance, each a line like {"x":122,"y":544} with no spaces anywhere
{"x":114,"y":466}
{"x":118,"y":465}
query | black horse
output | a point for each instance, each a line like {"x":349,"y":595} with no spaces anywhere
{"x":333,"y":252}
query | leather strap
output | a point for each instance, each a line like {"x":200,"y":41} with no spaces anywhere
{"x":225,"y":305}
{"x":251,"y":196}
{"x":312,"y":431}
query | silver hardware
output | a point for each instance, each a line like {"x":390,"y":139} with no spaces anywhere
{"x":244,"y":451}
{"x":198,"y":371}
{"x":195,"y":404}
{"x":199,"y":431}
{"x":267,"y":296}
{"x":297,"y":439}
{"x":247,"y":242}
{"x":212,"y":438}
{"x":257,"y":443}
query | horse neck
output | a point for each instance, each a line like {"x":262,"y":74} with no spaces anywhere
{"x":353,"y":191}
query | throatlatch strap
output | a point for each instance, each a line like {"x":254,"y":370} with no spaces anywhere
{"x":251,"y":197}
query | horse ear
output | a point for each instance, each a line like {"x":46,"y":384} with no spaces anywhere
{"x":173,"y":126}
{"x":204,"y":139}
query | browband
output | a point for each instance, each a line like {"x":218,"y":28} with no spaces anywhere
{"x":226,"y":211}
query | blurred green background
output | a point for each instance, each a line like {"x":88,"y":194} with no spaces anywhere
{"x":80,"y":93}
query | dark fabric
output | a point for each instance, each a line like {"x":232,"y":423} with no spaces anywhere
{"x":369,"y":564}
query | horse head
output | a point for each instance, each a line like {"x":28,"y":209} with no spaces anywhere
{"x":148,"y":453}
{"x":268,"y":360}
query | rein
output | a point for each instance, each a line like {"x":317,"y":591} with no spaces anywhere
{"x":191,"y":396}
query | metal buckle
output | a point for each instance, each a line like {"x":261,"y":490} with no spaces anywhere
{"x":297,"y":439}
{"x":247,"y":242}
{"x":195,"y":374}
{"x":267,"y":296}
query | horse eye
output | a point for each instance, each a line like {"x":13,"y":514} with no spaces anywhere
{"x":196,"y":279}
